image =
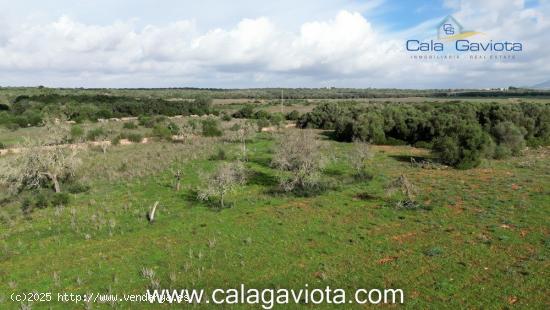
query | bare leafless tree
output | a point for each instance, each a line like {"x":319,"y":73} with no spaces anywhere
{"x":358,"y":158}
{"x":403,"y":185}
{"x":42,"y":162}
{"x":225,"y":179}
{"x":299,"y":157}
{"x":242,"y":134}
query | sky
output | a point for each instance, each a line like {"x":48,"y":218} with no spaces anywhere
{"x":241,"y":43}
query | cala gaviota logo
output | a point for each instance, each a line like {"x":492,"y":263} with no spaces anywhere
{"x":451,"y":35}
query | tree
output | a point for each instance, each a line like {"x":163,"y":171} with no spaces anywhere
{"x":293,"y":115}
{"x":510,"y":137}
{"x":242,"y":133}
{"x":403,"y":185}
{"x":224,"y":180}
{"x":298,"y":157}
{"x":462,"y":145}
{"x":162,"y":132}
{"x":245,"y":112}
{"x":42,"y":163}
{"x":358,"y":157}
{"x":77,"y":134}
{"x":211,"y":128}
{"x":324,"y":116}
{"x":100,"y":137}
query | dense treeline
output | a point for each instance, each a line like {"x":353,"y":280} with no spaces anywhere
{"x":271,"y":93}
{"x":461,"y":133}
{"x":30,"y":110}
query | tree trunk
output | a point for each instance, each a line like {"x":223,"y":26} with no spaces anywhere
{"x":55,"y":182}
{"x":56,"y":185}
{"x":178,"y":180}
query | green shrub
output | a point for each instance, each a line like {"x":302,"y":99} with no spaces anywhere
{"x":276,"y":119}
{"x":160,"y":119}
{"x":12,"y":126}
{"x":511,"y":126}
{"x":5,"y":118}
{"x":29,"y":118}
{"x":245,"y":112}
{"x":2,"y":146}
{"x":368,"y":127}
{"x":130,"y":125}
{"x":201,"y":105}
{"x":423,"y":145}
{"x":501,"y":151}
{"x":262,"y":114}
{"x":509,"y":136}
{"x":211,"y":128}
{"x":89,"y":106}
{"x":77,"y":132}
{"x":60,"y":199}
{"x":293,"y":115}
{"x":174,"y":128}
{"x":219,"y":155}
{"x":235,"y":127}
{"x":462,"y":146}
{"x":95,"y":134}
{"x":116,"y":140}
{"x":324,"y":116}
{"x":146,"y":121}
{"x":101,"y":113}
{"x":226,"y":117}
{"x":394,"y":141}
{"x":195,"y":124}
{"x":77,"y":188}
{"x":134,"y":137}
{"x":43,"y":199}
{"x":162,"y":132}
{"x":262,"y":123}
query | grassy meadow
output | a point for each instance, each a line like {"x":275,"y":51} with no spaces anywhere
{"x":478,"y":237}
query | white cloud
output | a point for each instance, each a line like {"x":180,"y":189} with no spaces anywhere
{"x":345,"y":50}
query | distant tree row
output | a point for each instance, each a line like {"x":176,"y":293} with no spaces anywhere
{"x":270,"y":93}
{"x":461,"y":133}
{"x":31,"y":110}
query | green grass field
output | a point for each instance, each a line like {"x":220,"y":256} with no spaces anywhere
{"x":481,"y":236}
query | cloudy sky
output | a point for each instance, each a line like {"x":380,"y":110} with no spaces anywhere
{"x":241,"y":43}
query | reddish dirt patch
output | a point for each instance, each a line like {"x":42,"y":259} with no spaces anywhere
{"x":523,"y":233}
{"x":458,"y":206}
{"x":401,"y":150}
{"x":387,"y":260}
{"x":484,"y":174}
{"x":407,"y":237}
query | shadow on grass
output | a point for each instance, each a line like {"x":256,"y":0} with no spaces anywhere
{"x":327,"y":134}
{"x":407,"y":158}
{"x":319,"y":189}
{"x":367,"y":196}
{"x":262,"y":161}
{"x":262,"y":178}
{"x":191,"y":196}
{"x":333,"y":172}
